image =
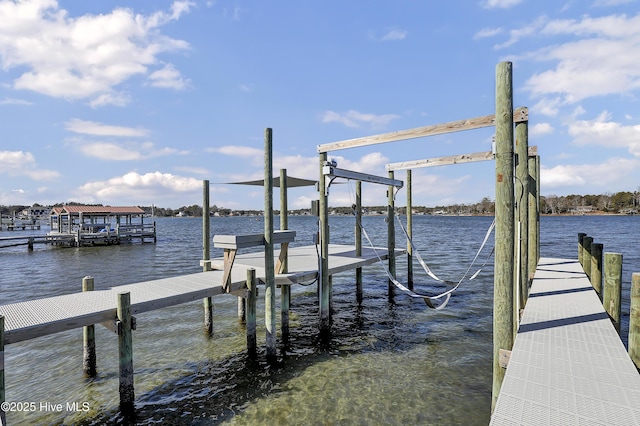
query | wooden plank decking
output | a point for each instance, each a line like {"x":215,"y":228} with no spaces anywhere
{"x":568,"y":365}
{"x":41,"y":317}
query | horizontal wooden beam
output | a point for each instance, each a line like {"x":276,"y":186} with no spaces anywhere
{"x":519,"y":115}
{"x":441,"y":161}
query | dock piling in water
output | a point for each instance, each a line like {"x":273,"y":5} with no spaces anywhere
{"x":634,"y":320}
{"x":596,"y":267}
{"x":269,"y":264}
{"x":586,"y":255}
{"x":125,"y":348}
{"x":611,"y":298}
{"x":89,"y":338}
{"x":252,"y":295}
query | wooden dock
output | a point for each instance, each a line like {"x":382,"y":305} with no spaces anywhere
{"x":568,"y":365}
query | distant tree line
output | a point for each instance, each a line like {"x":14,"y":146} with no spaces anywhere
{"x":619,"y":202}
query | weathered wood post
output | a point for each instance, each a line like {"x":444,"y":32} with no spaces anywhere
{"x":581,"y":236}
{"x":324,"y":284}
{"x":88,"y":338}
{"x":409,"y":231}
{"x":522,"y":177}
{"x":533,"y":216}
{"x":634,"y":320}
{"x":2,"y":388}
{"x":252,"y":296}
{"x":612,"y":299}
{"x":358,"y":237}
{"x":586,"y":255}
{"x":206,"y":255}
{"x":285,"y":290}
{"x":503,"y":303}
{"x":269,"y":264}
{"x":391,"y":237}
{"x":596,"y":268}
{"x":125,"y":346}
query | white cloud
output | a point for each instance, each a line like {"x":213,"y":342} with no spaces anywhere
{"x":10,"y":101}
{"x":487,"y":32}
{"x":604,"y":175}
{"x":607,"y":3}
{"x":499,"y":4}
{"x":599,"y":61}
{"x":238,"y":151}
{"x":547,"y":106}
{"x":81,"y":57}
{"x":138,"y":188}
{"x":354,"y":119}
{"x":394,"y":34}
{"x":517,"y":34}
{"x":98,"y":129}
{"x":20,"y":163}
{"x":169,"y":78}
{"x":121,"y":150}
{"x":605,"y":132}
{"x":114,"y":98}
{"x":539,"y":129}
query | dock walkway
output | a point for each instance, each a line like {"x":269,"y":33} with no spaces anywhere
{"x":41,"y":317}
{"x":568,"y":365}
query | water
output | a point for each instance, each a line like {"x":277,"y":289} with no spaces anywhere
{"x":386,"y":363}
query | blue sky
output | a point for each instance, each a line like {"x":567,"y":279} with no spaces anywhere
{"x":130,"y":102}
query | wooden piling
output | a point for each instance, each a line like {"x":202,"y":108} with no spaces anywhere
{"x":533,"y":216}
{"x":252,"y":296}
{"x":324,"y":286}
{"x":522,"y":208}
{"x":270,"y":282}
{"x":358,"y":238}
{"x":503,"y":303}
{"x":88,"y":338}
{"x":634,"y":320}
{"x":207,"y":302}
{"x":586,"y":255}
{"x":409,"y":231}
{"x":581,"y":236}
{"x":391,"y":237}
{"x":285,"y":290}
{"x":612,"y":296}
{"x":596,"y":268}
{"x":125,"y":346}
{"x":2,"y":388}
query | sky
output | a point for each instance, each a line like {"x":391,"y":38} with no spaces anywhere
{"x":136,"y":102}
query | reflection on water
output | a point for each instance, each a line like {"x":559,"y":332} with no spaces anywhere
{"x":386,"y":363}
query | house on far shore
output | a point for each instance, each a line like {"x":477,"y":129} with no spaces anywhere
{"x":90,"y":225}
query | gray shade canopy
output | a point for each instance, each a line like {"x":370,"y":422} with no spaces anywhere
{"x":292,"y":182}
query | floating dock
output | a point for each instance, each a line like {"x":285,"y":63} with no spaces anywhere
{"x":568,"y":365}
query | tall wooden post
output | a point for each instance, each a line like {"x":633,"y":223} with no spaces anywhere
{"x":270,"y":282}
{"x":2,"y":388}
{"x":581,"y":236}
{"x":409,"y":231}
{"x":533,"y":217}
{"x":252,"y":345}
{"x":522,"y":206}
{"x":88,"y":338}
{"x":207,"y":302}
{"x":586,"y":255}
{"x":358,"y":237}
{"x":125,"y":346}
{"x":324,"y":282}
{"x":503,"y":286}
{"x":612,"y":296}
{"x":634,"y":320}
{"x":596,"y":268}
{"x":538,"y":209}
{"x":391,"y":237}
{"x":285,"y":290}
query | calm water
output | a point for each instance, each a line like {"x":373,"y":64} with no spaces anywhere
{"x":386,"y":364}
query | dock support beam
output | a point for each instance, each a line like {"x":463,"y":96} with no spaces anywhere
{"x":409,"y":231}
{"x":285,"y":290}
{"x":522,"y":206}
{"x":596,"y":267}
{"x":391,"y":237}
{"x":88,"y":338}
{"x":503,"y":287}
{"x":252,"y":296}
{"x":358,"y":237}
{"x":634,"y":320}
{"x":534,"y":216}
{"x":206,"y":255}
{"x":613,"y":287}
{"x":125,"y":347}
{"x":269,"y":264}
{"x":324,"y":282}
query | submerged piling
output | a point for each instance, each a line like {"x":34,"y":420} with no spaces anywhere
{"x":125,"y":349}
{"x":358,"y":240}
